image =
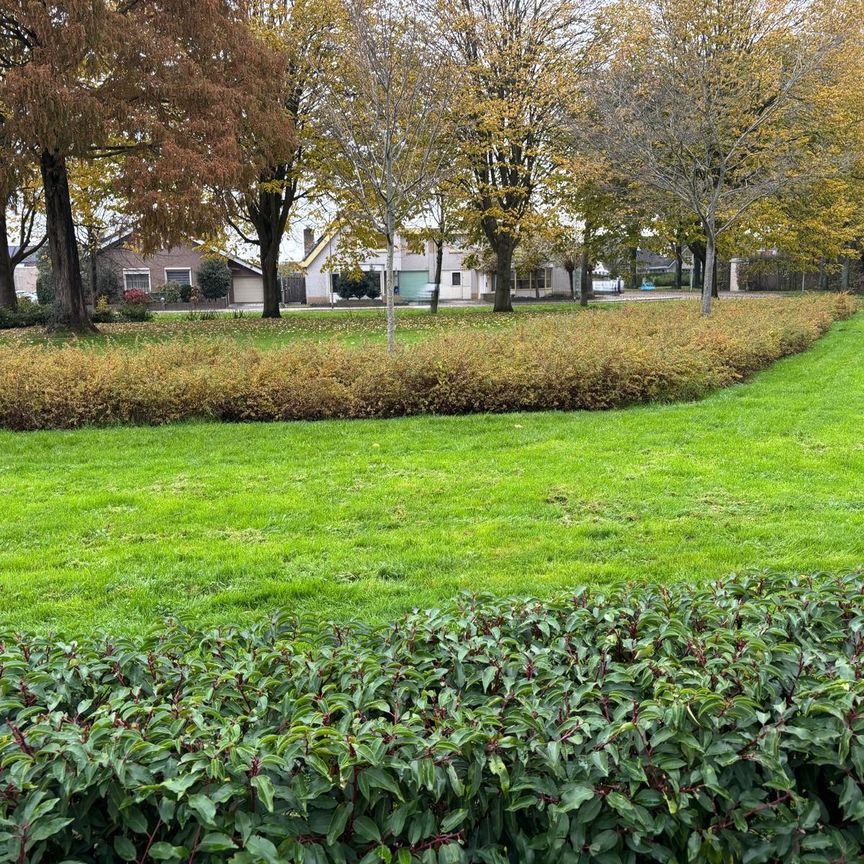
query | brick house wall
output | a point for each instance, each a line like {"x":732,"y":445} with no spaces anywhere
{"x":149,"y":272}
{"x":130,"y":264}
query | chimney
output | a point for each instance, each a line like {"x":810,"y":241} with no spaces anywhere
{"x":308,"y":240}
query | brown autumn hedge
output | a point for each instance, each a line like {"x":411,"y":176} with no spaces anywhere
{"x":600,"y":359}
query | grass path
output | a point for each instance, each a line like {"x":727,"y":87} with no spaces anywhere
{"x":117,"y":528}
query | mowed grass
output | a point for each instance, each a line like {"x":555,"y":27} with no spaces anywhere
{"x":348,"y":326}
{"x":117,"y":528}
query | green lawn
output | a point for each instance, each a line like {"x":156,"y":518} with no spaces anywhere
{"x":350,"y":326}
{"x":117,"y":528}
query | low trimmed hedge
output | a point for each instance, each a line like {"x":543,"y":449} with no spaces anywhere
{"x":713,"y":724}
{"x":26,"y":314}
{"x":594,"y":360}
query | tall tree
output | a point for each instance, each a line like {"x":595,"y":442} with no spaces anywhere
{"x":386,"y":114}
{"x":163,"y":85}
{"x":24,"y":205}
{"x":286,"y":153}
{"x":519,"y":60}
{"x":716,"y":101}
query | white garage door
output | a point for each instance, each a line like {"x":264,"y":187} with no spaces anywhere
{"x":248,"y":289}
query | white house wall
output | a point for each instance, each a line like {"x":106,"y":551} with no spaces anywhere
{"x":25,"y":279}
{"x":475,"y":284}
{"x":561,"y":280}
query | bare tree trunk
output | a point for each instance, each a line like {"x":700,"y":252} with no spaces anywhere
{"x":632,"y":275}
{"x":8,"y":298}
{"x":270,"y":278}
{"x":570,"y":276}
{"x":504,"y":269}
{"x":823,"y":276}
{"x":715,"y":284}
{"x":584,"y":278}
{"x":710,"y":272}
{"x":389,"y":281}
{"x":679,"y":267}
{"x":70,"y":313}
{"x":436,"y":291}
{"x":268,"y":245}
{"x":844,"y":274}
{"x":92,"y":249}
{"x":698,"y":250}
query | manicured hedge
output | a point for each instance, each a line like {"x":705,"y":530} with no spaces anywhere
{"x":593,"y":360}
{"x":715,"y":724}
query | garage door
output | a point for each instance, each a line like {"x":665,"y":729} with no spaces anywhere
{"x":248,"y":289}
{"x":413,"y":285}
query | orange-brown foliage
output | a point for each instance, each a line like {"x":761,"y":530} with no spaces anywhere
{"x":596,"y":360}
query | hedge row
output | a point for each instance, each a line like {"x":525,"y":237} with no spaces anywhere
{"x":713,"y":724}
{"x":600,"y":359}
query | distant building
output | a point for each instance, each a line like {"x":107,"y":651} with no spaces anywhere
{"x":178,"y":264}
{"x":415,"y":273}
{"x":26,"y":274}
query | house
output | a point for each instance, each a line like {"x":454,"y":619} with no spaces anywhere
{"x":179,"y":264}
{"x":415,"y":272}
{"x":26,"y":274}
{"x":652,"y":263}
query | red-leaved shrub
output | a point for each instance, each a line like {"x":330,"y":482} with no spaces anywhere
{"x":136,"y":297}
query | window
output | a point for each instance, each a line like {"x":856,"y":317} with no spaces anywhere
{"x":539,"y":280}
{"x":180,"y":275}
{"x":136,"y":280}
{"x":457,"y":279}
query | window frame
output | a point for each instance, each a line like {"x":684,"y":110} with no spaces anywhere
{"x":456,"y":279}
{"x":138,"y":271}
{"x":175,"y":270}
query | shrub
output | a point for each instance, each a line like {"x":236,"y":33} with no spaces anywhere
{"x":185,"y":293}
{"x":707,"y":724}
{"x":214,"y":278}
{"x":134,"y":312}
{"x":103,"y":316}
{"x":171,"y":292}
{"x":136,"y":297}
{"x":594,"y":360}
{"x":26,"y":314}
{"x":357,"y":286}
{"x":135,"y":305}
{"x":102,"y":312}
{"x":667,"y":280}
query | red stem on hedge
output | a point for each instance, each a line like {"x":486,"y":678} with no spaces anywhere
{"x":151,"y":837}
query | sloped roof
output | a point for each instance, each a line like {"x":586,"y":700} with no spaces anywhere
{"x":647,"y":258}
{"x":29,"y":261}
{"x":121,"y":238}
{"x":318,"y":248}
